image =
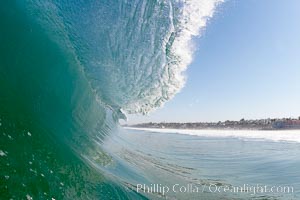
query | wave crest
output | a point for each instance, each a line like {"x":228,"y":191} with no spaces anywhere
{"x":187,"y":19}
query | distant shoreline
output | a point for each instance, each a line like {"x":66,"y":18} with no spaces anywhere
{"x":260,"y":124}
{"x":207,"y":129}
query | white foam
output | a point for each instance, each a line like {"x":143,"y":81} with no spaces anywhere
{"x":282,"y":135}
{"x":194,"y":16}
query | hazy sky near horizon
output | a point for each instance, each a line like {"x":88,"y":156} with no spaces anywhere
{"x":247,"y":65}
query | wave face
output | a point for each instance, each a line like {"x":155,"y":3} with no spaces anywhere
{"x":68,"y":72}
{"x":137,"y":49}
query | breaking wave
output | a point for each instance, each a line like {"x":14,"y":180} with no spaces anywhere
{"x":69,"y":70}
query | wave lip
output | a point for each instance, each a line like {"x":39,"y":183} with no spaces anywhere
{"x":186,"y":20}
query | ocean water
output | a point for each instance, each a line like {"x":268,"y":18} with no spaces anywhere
{"x":213,"y":162}
{"x":70,"y":70}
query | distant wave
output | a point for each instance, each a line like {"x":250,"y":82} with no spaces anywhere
{"x":277,"y":136}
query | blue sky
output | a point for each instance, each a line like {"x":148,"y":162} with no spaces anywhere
{"x":247,"y":65}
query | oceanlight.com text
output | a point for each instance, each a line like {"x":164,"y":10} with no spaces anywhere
{"x":213,"y":188}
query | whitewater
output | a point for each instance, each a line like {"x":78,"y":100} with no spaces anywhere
{"x":276,"y":136}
